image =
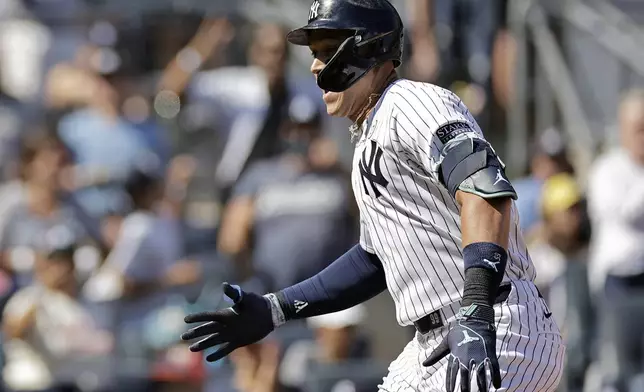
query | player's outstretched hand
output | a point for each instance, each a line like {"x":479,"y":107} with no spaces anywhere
{"x":247,"y":321}
{"x":471,"y":346}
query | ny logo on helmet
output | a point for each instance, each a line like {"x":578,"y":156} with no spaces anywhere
{"x":313,"y":12}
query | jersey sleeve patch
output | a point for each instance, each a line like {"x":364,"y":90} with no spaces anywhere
{"x":449,"y":131}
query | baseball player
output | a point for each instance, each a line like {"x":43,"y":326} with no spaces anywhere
{"x":439,"y":227}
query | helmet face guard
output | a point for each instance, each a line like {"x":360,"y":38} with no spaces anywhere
{"x":344,"y":69}
{"x":377,"y":38}
{"x":353,"y":60}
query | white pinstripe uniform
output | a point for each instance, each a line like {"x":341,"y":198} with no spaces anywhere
{"x":409,"y":220}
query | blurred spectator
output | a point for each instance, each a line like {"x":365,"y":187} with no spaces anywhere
{"x":504,"y":54}
{"x":284,"y":362}
{"x":563,"y":235}
{"x":202,"y":123}
{"x":109,"y":129}
{"x":337,"y":341}
{"x":549,"y":157}
{"x":448,"y":33}
{"x":253,"y":101}
{"x":36,"y":205}
{"x":24,"y":42}
{"x":256,"y":367}
{"x":560,"y":255}
{"x":46,"y":326}
{"x":12,"y":122}
{"x":616,"y":202}
{"x":145,"y":259}
{"x":291,"y":212}
{"x":144,"y":269}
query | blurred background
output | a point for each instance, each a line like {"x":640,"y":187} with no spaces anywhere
{"x":151,"y":149}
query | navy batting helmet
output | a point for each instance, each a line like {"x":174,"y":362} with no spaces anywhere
{"x":377,"y":37}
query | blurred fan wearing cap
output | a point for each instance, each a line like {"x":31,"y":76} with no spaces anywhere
{"x":289,"y":211}
{"x":46,"y":326}
{"x":563,"y":233}
{"x":560,"y":255}
{"x":549,"y":157}
{"x":335,"y":333}
{"x":302,"y":127}
{"x":146,"y":257}
{"x":337,"y":341}
{"x":562,"y":207}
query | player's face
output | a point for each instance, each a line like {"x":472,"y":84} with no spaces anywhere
{"x":323,"y":45}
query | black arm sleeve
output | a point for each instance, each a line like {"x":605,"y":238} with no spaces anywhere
{"x":353,"y":278}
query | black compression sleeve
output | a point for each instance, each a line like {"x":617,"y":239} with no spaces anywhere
{"x":353,"y":278}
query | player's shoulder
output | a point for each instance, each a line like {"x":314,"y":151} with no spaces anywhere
{"x":405,"y":90}
{"x":420,"y":108}
{"x":425,"y":105}
{"x":403,"y":85}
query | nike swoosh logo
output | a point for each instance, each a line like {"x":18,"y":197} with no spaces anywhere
{"x":548,"y":314}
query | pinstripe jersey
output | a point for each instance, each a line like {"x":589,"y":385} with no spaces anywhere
{"x":407,"y":217}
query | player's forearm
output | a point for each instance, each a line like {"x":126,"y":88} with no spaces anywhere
{"x":485,"y":225}
{"x":484,"y":220}
{"x":353,"y":278}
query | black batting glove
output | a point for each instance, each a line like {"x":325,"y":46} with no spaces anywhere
{"x":470,"y":346}
{"x":249,"y":320}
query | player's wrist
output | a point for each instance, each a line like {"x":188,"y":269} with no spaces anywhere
{"x":484,"y":264}
{"x":277,"y":312}
{"x":478,"y":312}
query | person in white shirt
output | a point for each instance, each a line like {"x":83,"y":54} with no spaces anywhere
{"x":48,"y":329}
{"x":616,"y":207}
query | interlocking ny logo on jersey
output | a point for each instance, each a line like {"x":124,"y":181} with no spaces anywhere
{"x":370,"y":170}
{"x":313,"y":12}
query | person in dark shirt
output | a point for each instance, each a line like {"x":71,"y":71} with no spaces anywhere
{"x":43,"y":159}
{"x":293,"y":211}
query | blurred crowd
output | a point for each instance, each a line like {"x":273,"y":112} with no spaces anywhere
{"x":147,"y":156}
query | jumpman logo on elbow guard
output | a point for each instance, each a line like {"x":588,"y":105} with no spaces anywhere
{"x":499,"y":177}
